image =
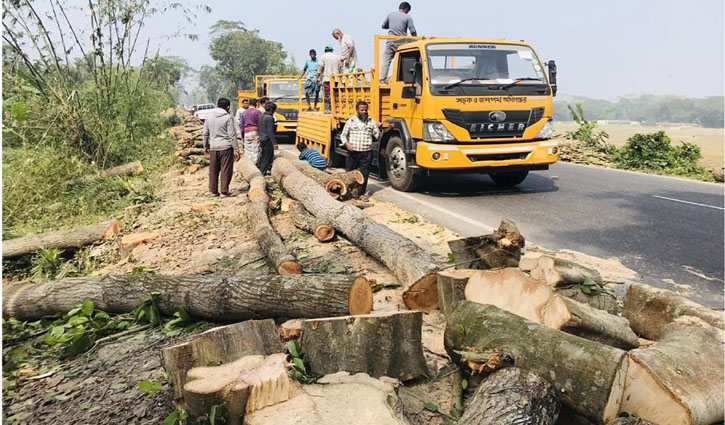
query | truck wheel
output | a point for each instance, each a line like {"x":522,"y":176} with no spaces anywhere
{"x":509,"y":179}
{"x":402,"y":177}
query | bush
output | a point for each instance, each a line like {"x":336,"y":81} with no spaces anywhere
{"x":585,"y":133}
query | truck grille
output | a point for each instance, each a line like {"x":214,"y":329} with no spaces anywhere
{"x":498,"y":156}
{"x":494,"y":124}
{"x":290,"y":114}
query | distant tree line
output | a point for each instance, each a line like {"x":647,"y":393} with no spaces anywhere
{"x":648,"y":109}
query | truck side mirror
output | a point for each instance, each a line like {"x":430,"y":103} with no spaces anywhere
{"x":408,"y":66}
{"x":552,"y":75}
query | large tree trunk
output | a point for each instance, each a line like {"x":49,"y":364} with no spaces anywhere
{"x":379,"y":344}
{"x":512,"y":396}
{"x":452,"y":289}
{"x":603,"y":300}
{"x":414,"y":268}
{"x":340,"y":186}
{"x":512,"y":290}
{"x":222,"y":345}
{"x":246,"y":385}
{"x":122,"y":170}
{"x":258,"y":219}
{"x":679,"y":380}
{"x":588,"y":375}
{"x":242,"y":297}
{"x":303,"y":220}
{"x":650,"y":309}
{"x":73,"y":238}
{"x":501,"y":248}
{"x":559,"y":272}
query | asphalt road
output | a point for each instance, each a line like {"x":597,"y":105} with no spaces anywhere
{"x":666,"y":229}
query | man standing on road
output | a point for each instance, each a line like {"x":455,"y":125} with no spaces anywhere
{"x":358,"y":135}
{"x":266,"y":138}
{"x":311,"y":87}
{"x":397,"y":23}
{"x":220,"y":146}
{"x":348,"y":53}
{"x":250,"y":131}
{"x":329,"y":64}
{"x":240,"y":111}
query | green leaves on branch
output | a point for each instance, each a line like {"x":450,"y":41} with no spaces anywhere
{"x":585,"y":132}
{"x":218,"y":415}
{"x":297,"y":366}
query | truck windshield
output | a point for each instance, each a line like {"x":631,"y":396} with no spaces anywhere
{"x":479,"y":69}
{"x":283,"y":91}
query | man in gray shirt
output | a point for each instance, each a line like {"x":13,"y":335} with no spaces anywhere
{"x":220,"y":146}
{"x":397,"y":23}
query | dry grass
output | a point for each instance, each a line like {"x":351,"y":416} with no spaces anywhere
{"x":711,"y":140}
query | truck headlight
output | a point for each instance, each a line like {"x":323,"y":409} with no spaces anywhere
{"x":435,"y":131}
{"x":546,"y":132}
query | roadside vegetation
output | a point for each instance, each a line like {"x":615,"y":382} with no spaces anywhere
{"x":646,"y":152}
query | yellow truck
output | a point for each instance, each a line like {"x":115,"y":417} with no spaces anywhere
{"x":283,"y":90}
{"x":451,"y":105}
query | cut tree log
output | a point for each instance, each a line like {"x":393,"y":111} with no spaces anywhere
{"x":305,"y":221}
{"x":258,"y":219}
{"x":560,"y":272}
{"x":650,"y":309}
{"x":588,"y":375}
{"x":241,"y":297}
{"x":122,"y":170}
{"x":220,"y":345}
{"x":603,"y":300}
{"x":190,"y":151}
{"x":245,"y":385}
{"x":340,"y":186}
{"x":291,"y":329}
{"x":502,"y":248}
{"x":414,"y":268}
{"x":379,"y":344}
{"x":73,"y":238}
{"x":512,"y":290}
{"x":512,"y":396}
{"x":451,"y":288}
{"x":680,"y":379}
{"x":335,"y":400}
{"x":630,"y":420}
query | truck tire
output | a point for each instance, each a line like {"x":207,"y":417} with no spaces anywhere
{"x":508,"y":179}
{"x":400,"y":173}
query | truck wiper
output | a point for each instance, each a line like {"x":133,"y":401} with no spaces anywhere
{"x":457,"y":83}
{"x":284,"y":95}
{"x":518,"y":80}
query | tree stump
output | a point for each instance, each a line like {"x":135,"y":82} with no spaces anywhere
{"x":451,"y":288}
{"x":379,"y":344}
{"x":501,"y":248}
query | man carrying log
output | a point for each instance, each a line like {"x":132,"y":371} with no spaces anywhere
{"x":220,"y":146}
{"x":358,"y":135}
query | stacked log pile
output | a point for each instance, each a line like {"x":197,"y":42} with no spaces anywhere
{"x":190,"y":147}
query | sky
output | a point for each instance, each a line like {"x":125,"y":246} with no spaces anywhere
{"x":603,"y":49}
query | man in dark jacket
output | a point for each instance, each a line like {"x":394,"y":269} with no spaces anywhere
{"x":220,"y":146}
{"x":267,"y":140}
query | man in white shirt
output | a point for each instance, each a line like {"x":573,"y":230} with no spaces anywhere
{"x":240,"y":111}
{"x":348,"y":52}
{"x":329,"y":64}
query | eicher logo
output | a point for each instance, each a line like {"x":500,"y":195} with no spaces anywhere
{"x":508,"y":127}
{"x":497,"y":116}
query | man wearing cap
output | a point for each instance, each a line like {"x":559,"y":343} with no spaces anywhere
{"x":267,"y":140}
{"x":329,"y":64}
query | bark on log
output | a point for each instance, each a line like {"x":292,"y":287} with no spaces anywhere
{"x":512,"y":396}
{"x":512,"y":290}
{"x":414,"y":268}
{"x":190,"y":151}
{"x":303,"y":220}
{"x":73,"y":238}
{"x":559,"y":272}
{"x":246,"y":385}
{"x":451,"y":289}
{"x":630,"y":420}
{"x":122,"y":170}
{"x":679,"y":380}
{"x":600,"y":300}
{"x":223,"y":344}
{"x":258,"y":219}
{"x":379,"y":344}
{"x":588,"y":375}
{"x":501,"y":248}
{"x":339,"y":185}
{"x":241,"y":297}
{"x":650,"y":309}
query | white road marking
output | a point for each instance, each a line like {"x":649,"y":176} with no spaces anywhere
{"x":688,"y":202}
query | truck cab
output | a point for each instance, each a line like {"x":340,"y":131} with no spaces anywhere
{"x":285,"y":91}
{"x":451,"y":105}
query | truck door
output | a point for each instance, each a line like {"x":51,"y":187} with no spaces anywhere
{"x":400,"y":106}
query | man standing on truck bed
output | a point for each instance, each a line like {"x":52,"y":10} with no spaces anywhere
{"x":329,"y":64}
{"x":397,"y":23}
{"x":357,"y":136}
{"x":311,"y":87}
{"x":220,"y":145}
{"x":348,"y":53}
{"x":266,"y":138}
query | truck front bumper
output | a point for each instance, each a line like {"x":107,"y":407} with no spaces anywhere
{"x":468,"y":156}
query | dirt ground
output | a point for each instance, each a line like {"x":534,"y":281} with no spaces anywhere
{"x":102,"y":387}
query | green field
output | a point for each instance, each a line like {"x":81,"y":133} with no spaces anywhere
{"x":711,"y":140}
